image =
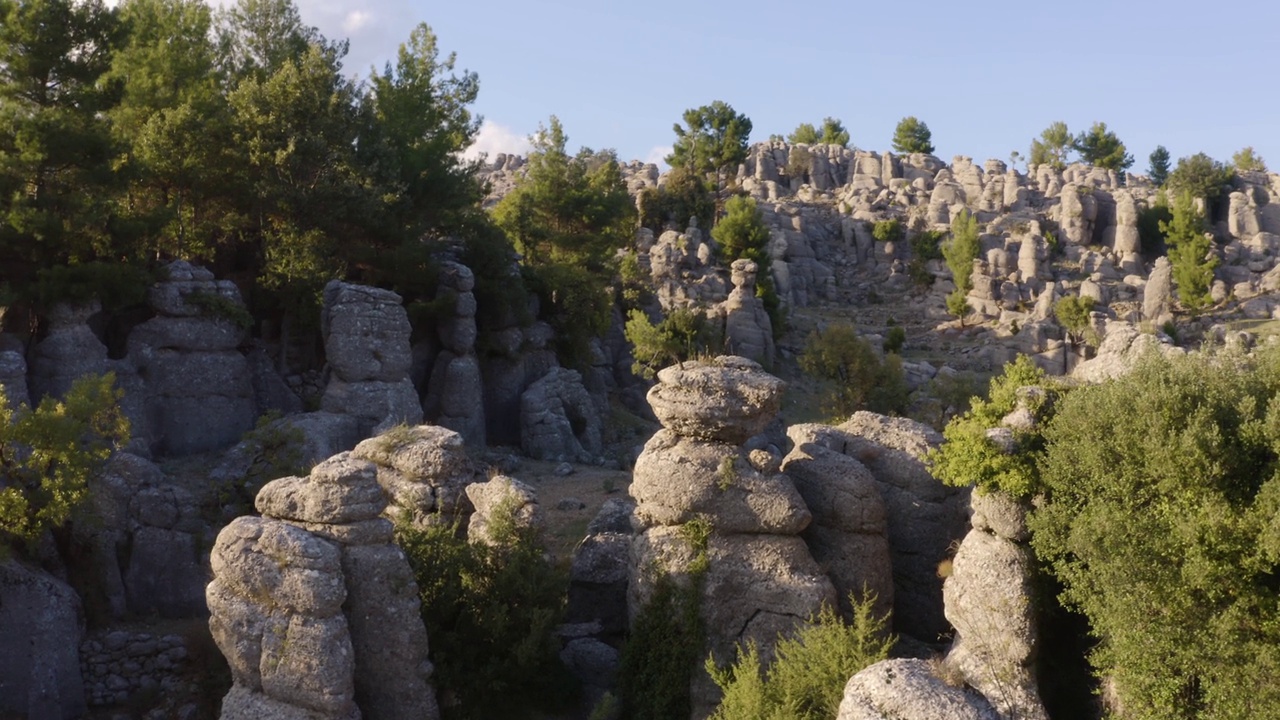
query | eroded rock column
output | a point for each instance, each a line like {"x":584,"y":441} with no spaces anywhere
{"x":760,"y":579}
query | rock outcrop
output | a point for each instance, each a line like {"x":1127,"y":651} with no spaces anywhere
{"x":455,"y":391}
{"x":196,"y":385}
{"x":366,"y":340}
{"x":923,"y":516}
{"x":748,"y":332}
{"x":68,"y":352}
{"x":558,"y":419}
{"x":849,"y":532}
{"x":760,"y":578}
{"x":314,"y":607}
{"x":424,"y":470}
{"x":910,"y":690}
{"x":41,"y":623}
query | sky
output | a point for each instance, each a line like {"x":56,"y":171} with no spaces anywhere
{"x":986,"y":76}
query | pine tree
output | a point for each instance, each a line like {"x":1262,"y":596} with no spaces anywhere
{"x":1159,"y":169}
{"x":912,"y":136}
{"x":1101,"y":147}
{"x":713,"y":140}
{"x":1052,"y":147}
{"x":960,"y":250}
{"x":1189,"y":248}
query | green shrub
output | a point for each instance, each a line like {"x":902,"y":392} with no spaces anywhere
{"x":925,"y":246}
{"x":894,"y":339}
{"x":888,"y":230}
{"x":575,"y":303}
{"x":213,"y":305}
{"x":48,"y":455}
{"x":1072,"y":312}
{"x":968,"y":457}
{"x":1189,"y":253}
{"x":667,"y":639}
{"x":684,"y":195}
{"x":1160,"y":518}
{"x":807,"y":678}
{"x":857,"y":378}
{"x":680,"y":336}
{"x":491,"y":613}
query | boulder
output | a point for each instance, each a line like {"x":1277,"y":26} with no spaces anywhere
{"x":677,"y":479}
{"x":910,"y":690}
{"x":366,"y":333}
{"x":41,"y":625}
{"x":69,"y":352}
{"x":849,"y":534}
{"x":558,"y":419}
{"x":423,"y":470}
{"x":501,"y":495}
{"x":748,"y":332}
{"x":727,"y":399}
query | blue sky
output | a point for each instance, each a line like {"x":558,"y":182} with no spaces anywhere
{"x":986,"y":77}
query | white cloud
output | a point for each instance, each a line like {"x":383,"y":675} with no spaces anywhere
{"x":657,"y":155}
{"x":494,"y":138}
{"x":355,"y":20}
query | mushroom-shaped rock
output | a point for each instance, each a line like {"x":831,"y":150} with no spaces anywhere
{"x":728,"y":398}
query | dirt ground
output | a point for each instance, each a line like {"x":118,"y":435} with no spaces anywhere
{"x":567,"y":520}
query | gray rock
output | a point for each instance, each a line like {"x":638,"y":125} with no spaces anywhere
{"x":366,"y":333}
{"x":614,"y":516}
{"x":293,"y":498}
{"x":748,"y":331}
{"x":848,"y":536}
{"x":988,"y":601}
{"x":677,"y":479}
{"x":261,"y":559}
{"x":909,"y":690}
{"x":165,"y":575}
{"x":373,"y":403}
{"x":727,"y":399}
{"x":591,"y":661}
{"x":13,"y":374}
{"x":69,"y":352}
{"x":455,"y":396}
{"x":1000,"y":515}
{"x":598,"y":582}
{"x":924,"y":516}
{"x":423,"y":470}
{"x":41,"y":625}
{"x":558,"y":419}
{"x":506,"y":495}
{"x":392,"y":672}
{"x":1157,"y":295}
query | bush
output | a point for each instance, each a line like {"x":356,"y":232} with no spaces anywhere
{"x":925,"y":246}
{"x":859,"y":379}
{"x":1202,"y":176}
{"x":682,"y":335}
{"x":48,"y":455}
{"x":1072,"y":312}
{"x":115,"y":285}
{"x":969,"y":457}
{"x":894,"y":339}
{"x":575,"y":303}
{"x":960,"y":251}
{"x":491,"y":613}
{"x":806,"y":680}
{"x":667,"y":639}
{"x":684,"y":195}
{"x":888,"y":230}
{"x":1189,"y":253}
{"x":1161,"y":523}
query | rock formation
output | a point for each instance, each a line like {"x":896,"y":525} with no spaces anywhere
{"x":366,"y":340}
{"x":558,"y":419}
{"x":455,"y":392}
{"x":910,"y":690}
{"x":849,"y":532}
{"x":760,"y":578}
{"x":41,"y":623}
{"x":314,"y":607}
{"x":196,"y":387}
{"x":748,"y":331}
{"x":423,"y":470}
{"x":68,"y":352}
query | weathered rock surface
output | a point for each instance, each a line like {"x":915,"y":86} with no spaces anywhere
{"x":424,"y":470}
{"x":677,"y":479}
{"x":501,"y":495}
{"x":727,"y":399}
{"x":41,"y":624}
{"x":366,"y":339}
{"x":849,"y":532}
{"x":558,"y":419}
{"x":455,"y":391}
{"x":68,"y":352}
{"x":760,"y":577}
{"x":909,"y":690}
{"x":316,"y":610}
{"x":748,"y":332}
